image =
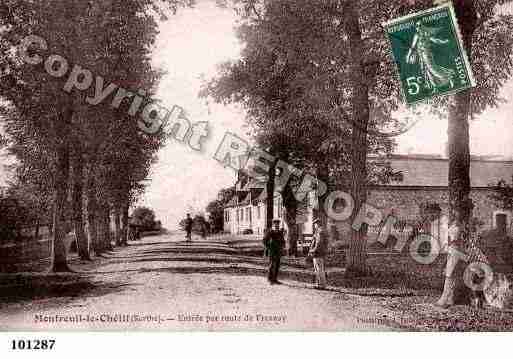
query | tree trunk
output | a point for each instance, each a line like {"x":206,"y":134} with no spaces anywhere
{"x":270,"y":198}
{"x":36,"y":233}
{"x":104,"y":230}
{"x":49,"y":221}
{"x":323,"y":176}
{"x":92,"y":213}
{"x":108,"y":236}
{"x":356,"y":254}
{"x":124,"y":223}
{"x":117,"y":223}
{"x":290,"y":204}
{"x":61,"y":179}
{"x":78,"y":215}
{"x":100,"y":223}
{"x":460,"y":204}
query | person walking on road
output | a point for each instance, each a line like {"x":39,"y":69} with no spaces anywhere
{"x":274,"y":242}
{"x":203,"y":228}
{"x":188,"y":227}
{"x":318,"y":250}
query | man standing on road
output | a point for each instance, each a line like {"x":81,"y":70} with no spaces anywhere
{"x":274,"y":242}
{"x":318,"y":250}
{"x":188,"y":227}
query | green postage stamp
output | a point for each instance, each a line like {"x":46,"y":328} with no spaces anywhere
{"x":429,"y":54}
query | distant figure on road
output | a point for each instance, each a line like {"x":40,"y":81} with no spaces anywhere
{"x":203,"y":228}
{"x":318,"y":250}
{"x":274,"y":242}
{"x":188,"y":227}
{"x":134,"y":230}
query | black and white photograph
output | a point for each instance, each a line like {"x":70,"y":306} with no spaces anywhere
{"x":255,"y":166}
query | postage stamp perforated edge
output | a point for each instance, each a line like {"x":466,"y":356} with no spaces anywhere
{"x":454,"y":21}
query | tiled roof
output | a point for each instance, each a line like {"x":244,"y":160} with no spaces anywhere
{"x":257,"y":194}
{"x":431,"y":171}
{"x":418,"y":171}
{"x":254,"y":183}
{"x":262,"y":196}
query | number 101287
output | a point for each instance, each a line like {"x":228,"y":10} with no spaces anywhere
{"x":32,"y":344}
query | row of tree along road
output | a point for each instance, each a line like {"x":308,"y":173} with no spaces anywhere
{"x":318,"y":82}
{"x":74,"y":160}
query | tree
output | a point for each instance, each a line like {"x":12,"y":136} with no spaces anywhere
{"x":358,"y":64}
{"x":294,"y":81}
{"x":40,"y":118}
{"x":198,"y":223}
{"x":42,"y":113}
{"x":479,"y":23}
{"x":503,"y":194}
{"x":15,"y":217}
{"x":31,"y":188}
{"x":215,"y":210}
{"x":487,"y":38}
{"x":145,"y":217}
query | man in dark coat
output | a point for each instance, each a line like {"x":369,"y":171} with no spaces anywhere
{"x":274,"y":242}
{"x":188,"y":227}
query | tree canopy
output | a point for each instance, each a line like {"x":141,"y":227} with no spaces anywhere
{"x":63,"y":137}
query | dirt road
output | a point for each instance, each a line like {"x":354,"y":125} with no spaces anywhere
{"x":163,"y":283}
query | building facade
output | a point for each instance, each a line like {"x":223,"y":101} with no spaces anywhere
{"x":425,"y":180}
{"x":246,"y":212}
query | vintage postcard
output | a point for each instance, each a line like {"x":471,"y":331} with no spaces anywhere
{"x":207,"y":165}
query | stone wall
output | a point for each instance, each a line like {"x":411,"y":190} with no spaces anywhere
{"x":406,"y":204}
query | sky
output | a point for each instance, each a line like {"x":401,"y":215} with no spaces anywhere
{"x":191,"y":44}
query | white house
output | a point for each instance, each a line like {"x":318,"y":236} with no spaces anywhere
{"x":246,"y":211}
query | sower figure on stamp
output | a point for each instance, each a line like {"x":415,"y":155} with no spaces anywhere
{"x":318,"y":250}
{"x":421,"y":52}
{"x":274,"y":242}
{"x":188,"y":227}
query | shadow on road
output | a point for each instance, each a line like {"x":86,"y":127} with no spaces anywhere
{"x":231,"y":259}
{"x":186,"y":249}
{"x":351,"y":292}
{"x":29,"y":288}
{"x":369,"y":288}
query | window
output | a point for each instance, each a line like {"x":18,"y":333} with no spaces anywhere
{"x":312,"y":199}
{"x":258,"y":212}
{"x":242,"y":214}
